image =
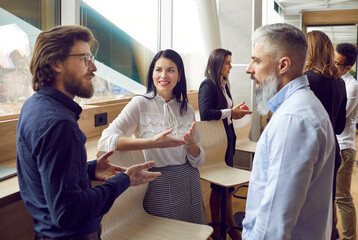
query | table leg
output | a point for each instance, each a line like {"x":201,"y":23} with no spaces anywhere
{"x":223,"y":226}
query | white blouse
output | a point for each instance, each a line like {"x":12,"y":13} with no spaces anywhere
{"x":226,"y":113}
{"x":145,"y":118}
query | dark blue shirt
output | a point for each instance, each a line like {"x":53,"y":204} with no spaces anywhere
{"x":53,"y":172}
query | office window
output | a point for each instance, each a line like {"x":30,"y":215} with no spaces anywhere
{"x":127,"y":35}
{"x":188,"y":42}
{"x":20,"y":23}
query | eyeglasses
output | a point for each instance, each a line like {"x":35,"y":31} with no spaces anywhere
{"x":339,"y":64}
{"x":88,"y":58}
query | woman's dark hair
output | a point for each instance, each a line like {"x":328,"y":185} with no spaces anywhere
{"x":179,"y":91}
{"x":213,"y":72}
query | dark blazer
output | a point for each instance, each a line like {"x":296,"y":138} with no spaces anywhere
{"x":209,"y":110}
{"x":333,"y":96}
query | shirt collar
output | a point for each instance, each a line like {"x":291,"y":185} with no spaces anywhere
{"x":287,"y":91}
{"x":223,"y":84}
{"x":346,"y":75}
{"x":62,"y":98}
{"x":162,"y":100}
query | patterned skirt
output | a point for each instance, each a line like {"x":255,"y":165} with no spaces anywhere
{"x":176,"y":194}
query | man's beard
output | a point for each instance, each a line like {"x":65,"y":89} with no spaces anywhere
{"x":266,"y":90}
{"x":78,"y":87}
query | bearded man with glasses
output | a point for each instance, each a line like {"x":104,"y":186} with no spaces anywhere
{"x":53,"y":172}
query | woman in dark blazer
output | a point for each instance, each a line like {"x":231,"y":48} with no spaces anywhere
{"x":215,"y":102}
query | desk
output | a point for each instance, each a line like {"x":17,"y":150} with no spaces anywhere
{"x":225,"y":177}
{"x":247,"y":149}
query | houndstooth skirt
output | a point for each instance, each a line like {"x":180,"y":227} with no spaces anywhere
{"x":176,"y":194}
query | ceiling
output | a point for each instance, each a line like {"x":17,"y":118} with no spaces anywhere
{"x":290,"y":7}
{"x":337,"y":34}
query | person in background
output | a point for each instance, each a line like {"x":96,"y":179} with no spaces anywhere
{"x":53,"y":172}
{"x":215,"y":102}
{"x":344,"y":58}
{"x":328,"y":87}
{"x":290,"y":190}
{"x":163,"y":124}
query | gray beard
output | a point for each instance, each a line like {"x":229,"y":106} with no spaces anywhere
{"x":265,"y":92}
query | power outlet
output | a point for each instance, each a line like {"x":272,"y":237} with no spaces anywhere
{"x":100,"y":119}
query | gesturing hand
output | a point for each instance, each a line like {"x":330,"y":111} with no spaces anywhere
{"x":237,"y":112}
{"x":190,"y":143}
{"x":104,"y":169}
{"x":138,"y":176}
{"x":162,"y":140}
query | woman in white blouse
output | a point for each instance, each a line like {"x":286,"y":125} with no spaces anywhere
{"x":163,"y":124}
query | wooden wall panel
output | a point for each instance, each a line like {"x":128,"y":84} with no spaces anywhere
{"x":8,"y":142}
{"x":86,"y":123}
{"x":16,"y":222}
{"x":330,"y":17}
{"x":87,"y":118}
{"x":193,"y":99}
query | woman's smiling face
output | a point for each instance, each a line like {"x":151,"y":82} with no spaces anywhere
{"x":165,"y":77}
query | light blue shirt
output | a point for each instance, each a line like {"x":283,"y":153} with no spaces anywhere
{"x":290,"y":190}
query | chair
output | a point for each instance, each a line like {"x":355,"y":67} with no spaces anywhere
{"x":127,"y":219}
{"x":214,"y":170}
{"x":243,"y":143}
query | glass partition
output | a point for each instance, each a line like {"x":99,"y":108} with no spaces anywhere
{"x":20,"y":23}
{"x":127,"y":44}
{"x":127,"y":36}
{"x":188,"y":42}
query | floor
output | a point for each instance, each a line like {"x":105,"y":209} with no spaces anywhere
{"x":239,"y":204}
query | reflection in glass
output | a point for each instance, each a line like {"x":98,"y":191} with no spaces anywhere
{"x":20,"y":23}
{"x":127,"y":44}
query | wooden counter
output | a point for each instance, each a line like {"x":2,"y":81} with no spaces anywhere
{"x":16,"y":222}
{"x":10,"y":187}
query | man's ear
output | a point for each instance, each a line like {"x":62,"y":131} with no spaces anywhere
{"x":284,"y":64}
{"x":347,"y":68}
{"x":56,"y":66}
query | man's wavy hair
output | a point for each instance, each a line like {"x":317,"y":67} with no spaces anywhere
{"x":55,"y":45}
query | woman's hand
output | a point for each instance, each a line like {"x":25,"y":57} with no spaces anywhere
{"x":238,"y":113}
{"x":162,"y":140}
{"x":190,"y":143}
